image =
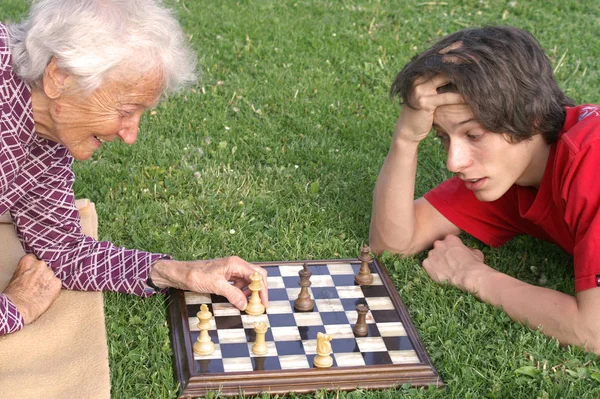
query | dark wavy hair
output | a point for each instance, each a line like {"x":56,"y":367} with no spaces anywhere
{"x":502,"y":73}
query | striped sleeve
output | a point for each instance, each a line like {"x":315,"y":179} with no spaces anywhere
{"x":10,"y":318}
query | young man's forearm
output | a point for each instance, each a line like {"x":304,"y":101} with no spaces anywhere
{"x":393,"y":216}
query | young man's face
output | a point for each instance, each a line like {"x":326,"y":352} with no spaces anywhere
{"x":485,"y":161}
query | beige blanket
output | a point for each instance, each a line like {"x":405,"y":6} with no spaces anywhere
{"x":64,"y":353}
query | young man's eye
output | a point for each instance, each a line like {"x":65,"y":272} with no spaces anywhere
{"x":474,"y":136}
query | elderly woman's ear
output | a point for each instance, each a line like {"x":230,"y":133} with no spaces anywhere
{"x":56,"y":80}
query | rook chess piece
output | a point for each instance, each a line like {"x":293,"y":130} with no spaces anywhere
{"x":323,"y":358}
{"x":255,"y":306}
{"x":361,"y":329}
{"x":364,"y":276}
{"x":204,"y":346}
{"x":304,"y":303}
{"x":260,"y":346}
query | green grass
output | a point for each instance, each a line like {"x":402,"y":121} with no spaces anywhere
{"x":281,"y":141}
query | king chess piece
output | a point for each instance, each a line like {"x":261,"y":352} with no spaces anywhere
{"x":204,"y":346}
{"x":364,"y":276}
{"x":323,"y":358}
{"x":255,"y":306}
{"x":304,"y":303}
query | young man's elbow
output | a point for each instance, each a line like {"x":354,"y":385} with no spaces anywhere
{"x":380,"y":244}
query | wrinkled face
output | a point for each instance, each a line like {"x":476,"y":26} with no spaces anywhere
{"x":113,"y":111}
{"x":486,"y":161}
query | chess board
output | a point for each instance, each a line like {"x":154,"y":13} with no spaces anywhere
{"x":390,"y":355}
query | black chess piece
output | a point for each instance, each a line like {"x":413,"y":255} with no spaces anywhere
{"x":364,"y":276}
{"x":304,"y":303}
{"x":361,"y":329}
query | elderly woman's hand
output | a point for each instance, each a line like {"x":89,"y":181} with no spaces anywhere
{"x":33,"y":288}
{"x":228,"y":277}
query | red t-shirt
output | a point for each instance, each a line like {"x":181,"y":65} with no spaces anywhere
{"x":564,"y":210}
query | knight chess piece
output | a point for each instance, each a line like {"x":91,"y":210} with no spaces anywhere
{"x":361,"y":329}
{"x":323,"y":358}
{"x":260,"y":346}
{"x":364,"y":276}
{"x":304,"y":303}
{"x":204,"y":346}
{"x":255,"y":306}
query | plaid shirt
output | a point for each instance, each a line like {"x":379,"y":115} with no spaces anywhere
{"x":36,"y":187}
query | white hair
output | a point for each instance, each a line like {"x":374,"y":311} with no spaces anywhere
{"x":90,"y":38}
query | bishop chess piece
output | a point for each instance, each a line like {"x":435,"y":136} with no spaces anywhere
{"x":364,"y":276}
{"x":323,"y":358}
{"x":260,"y":346}
{"x":304,"y":303}
{"x":361,"y":329}
{"x":204,"y":346}
{"x":255,"y":306}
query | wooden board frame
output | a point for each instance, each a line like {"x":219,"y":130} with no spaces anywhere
{"x":281,"y":382}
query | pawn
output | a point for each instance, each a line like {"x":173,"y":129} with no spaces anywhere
{"x":260,"y":346}
{"x":361,"y":329}
{"x":364,"y":276}
{"x":304,"y":303}
{"x":323,"y":358}
{"x":255,"y":306}
{"x":204,"y":346}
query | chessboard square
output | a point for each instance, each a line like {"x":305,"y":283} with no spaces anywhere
{"x":329,"y":305}
{"x":215,"y":355}
{"x":291,"y":282}
{"x":282,"y":320}
{"x":266,"y":363}
{"x":290,"y":269}
{"x":227,"y":322}
{"x":205,"y":366}
{"x":403,"y":357}
{"x":272,"y":270}
{"x":248,"y":321}
{"x":293,"y":293}
{"x":193,"y":322}
{"x":292,"y":362}
{"x":340,"y":268}
{"x":380,"y":303}
{"x":374,"y":291}
{"x":234,"y":364}
{"x":344,"y":345}
{"x":308,"y":319}
{"x":310,"y":346}
{"x":339,"y":330}
{"x":373,"y":330}
{"x":349,"y":291}
{"x":385,"y":316}
{"x":371,"y":344}
{"x":350,"y":304}
{"x":326,"y":293}
{"x":334,"y":318}
{"x":195,"y":298}
{"x":398,"y":343}
{"x":322,"y":281}
{"x":343,"y":280}
{"x":234,"y":349}
{"x":271,"y":349}
{"x":231,"y":336}
{"x":251,"y":335}
{"x":279,"y":307}
{"x":349,"y":359}
{"x":376,"y":279}
{"x":218,"y":299}
{"x":289,"y":348}
{"x":275,"y":282}
{"x":392,"y":329}
{"x":352,"y":316}
{"x":278,"y":294}
{"x":372,"y":358}
{"x":318,"y":269}
{"x":290,"y":333}
{"x":310,"y":332}
{"x":225,"y":309}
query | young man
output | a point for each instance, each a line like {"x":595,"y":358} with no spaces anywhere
{"x":525,"y":160}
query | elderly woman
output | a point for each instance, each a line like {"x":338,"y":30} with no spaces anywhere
{"x":77,"y":74}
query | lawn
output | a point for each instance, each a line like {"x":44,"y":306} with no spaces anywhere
{"x":274,"y":154}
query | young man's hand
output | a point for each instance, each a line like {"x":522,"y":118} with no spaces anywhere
{"x":33,"y":288}
{"x":416,"y":118}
